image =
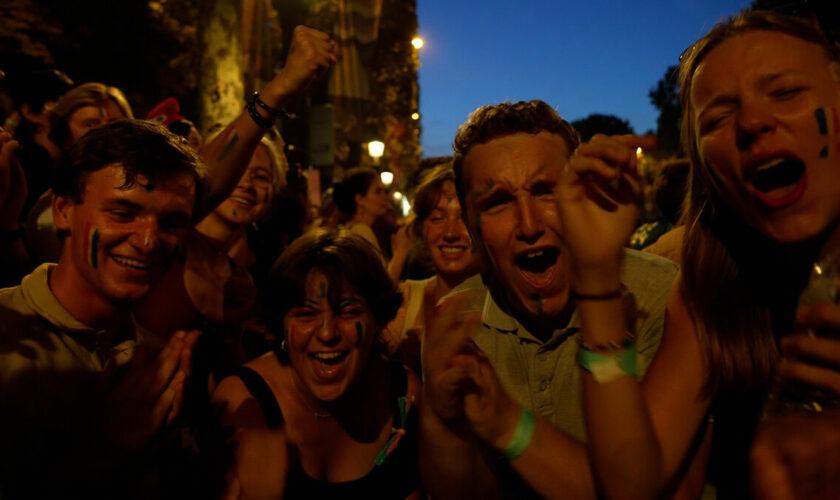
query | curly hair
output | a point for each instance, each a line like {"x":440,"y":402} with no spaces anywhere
{"x":499,"y":120}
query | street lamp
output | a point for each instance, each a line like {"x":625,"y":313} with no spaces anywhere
{"x":417,"y":42}
{"x":387,"y":177}
{"x":376,"y":149}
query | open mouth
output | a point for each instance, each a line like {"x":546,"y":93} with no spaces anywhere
{"x":452,"y":250}
{"x":537,"y":261}
{"x":132,"y":263}
{"x":329,"y":358}
{"x":777,"y":173}
{"x":243,"y":201}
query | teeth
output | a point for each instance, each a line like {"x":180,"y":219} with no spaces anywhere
{"x":770,"y":164}
{"x":328,"y":356}
{"x":241,"y":200}
{"x":451,"y":250}
{"x":134,"y":264}
{"x":535,"y":254}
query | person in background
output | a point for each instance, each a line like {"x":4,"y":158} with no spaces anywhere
{"x":168,"y":114}
{"x":440,"y":233}
{"x":362,"y":199}
{"x":325,"y":413}
{"x":669,"y":192}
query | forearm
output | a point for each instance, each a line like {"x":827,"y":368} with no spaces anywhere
{"x":228,"y":155}
{"x":451,"y":465}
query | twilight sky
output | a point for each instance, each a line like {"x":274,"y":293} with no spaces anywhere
{"x":582,"y":57}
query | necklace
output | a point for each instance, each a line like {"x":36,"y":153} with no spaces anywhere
{"x":303,"y":398}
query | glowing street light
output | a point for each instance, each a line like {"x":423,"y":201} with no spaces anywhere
{"x":415,"y":116}
{"x":417,"y":42}
{"x":387,"y":177}
{"x":376,"y":149}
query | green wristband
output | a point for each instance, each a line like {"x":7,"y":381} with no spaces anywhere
{"x":521,"y":435}
{"x":608,"y":367}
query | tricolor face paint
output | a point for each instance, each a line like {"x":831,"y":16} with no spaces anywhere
{"x":764,"y":107}
{"x":121,"y":240}
{"x":329,"y":344}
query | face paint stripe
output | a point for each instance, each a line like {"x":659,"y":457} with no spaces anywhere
{"x":94,"y":245}
{"x":822,"y":124}
{"x":360,"y":333}
{"x":835,"y":121}
{"x":229,"y":146}
{"x":824,"y":152}
{"x":86,"y":248}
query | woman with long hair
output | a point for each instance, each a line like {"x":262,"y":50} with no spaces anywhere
{"x":760,"y":97}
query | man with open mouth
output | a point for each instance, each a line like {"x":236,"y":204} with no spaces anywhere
{"x":509,"y":160}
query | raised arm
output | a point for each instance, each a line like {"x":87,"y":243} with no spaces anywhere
{"x":639,"y":434}
{"x":311,"y":52}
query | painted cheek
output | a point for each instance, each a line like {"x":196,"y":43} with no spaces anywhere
{"x":828,"y":128}
{"x":360,"y":333}
{"x":92,"y":247}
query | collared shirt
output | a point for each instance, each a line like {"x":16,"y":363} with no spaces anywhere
{"x":545,"y":376}
{"x":38,"y":333}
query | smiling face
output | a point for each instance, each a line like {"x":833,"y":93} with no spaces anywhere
{"x":122,"y":240}
{"x":329,"y":344}
{"x":375,"y":201}
{"x":766,"y":108}
{"x":509,"y":187}
{"x":447,"y":238}
{"x":252,"y":195}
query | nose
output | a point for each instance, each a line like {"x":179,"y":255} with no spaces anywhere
{"x":753,"y":122}
{"x":147,"y":237}
{"x":450,"y":230}
{"x":328,"y":333}
{"x":531,"y":226}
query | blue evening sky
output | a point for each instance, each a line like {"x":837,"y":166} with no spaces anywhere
{"x":582,"y":57}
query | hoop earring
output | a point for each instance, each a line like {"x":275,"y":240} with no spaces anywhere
{"x":283,"y":346}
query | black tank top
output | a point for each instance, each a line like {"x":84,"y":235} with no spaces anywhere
{"x":395,"y":472}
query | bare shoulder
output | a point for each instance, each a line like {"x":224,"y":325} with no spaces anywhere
{"x":232,"y":391}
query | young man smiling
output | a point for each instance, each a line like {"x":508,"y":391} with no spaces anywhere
{"x":509,"y":382}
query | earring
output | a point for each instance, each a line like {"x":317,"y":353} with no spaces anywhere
{"x":283,"y":346}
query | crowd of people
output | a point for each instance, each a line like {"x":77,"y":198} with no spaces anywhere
{"x":164,"y":342}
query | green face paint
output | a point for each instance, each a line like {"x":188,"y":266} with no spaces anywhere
{"x":360,"y":333}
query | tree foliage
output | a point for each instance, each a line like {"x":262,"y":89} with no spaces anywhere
{"x":597,"y":123}
{"x":665,"y":96}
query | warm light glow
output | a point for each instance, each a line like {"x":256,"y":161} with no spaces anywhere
{"x":406,"y":206}
{"x":417,"y":42}
{"x":397,"y":196}
{"x":376,"y":149}
{"x":638,"y":153}
{"x":387,"y":177}
{"x":415,"y":116}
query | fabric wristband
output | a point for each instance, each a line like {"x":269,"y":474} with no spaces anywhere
{"x":521,"y":435}
{"x":261,"y":121}
{"x":608,"y":367}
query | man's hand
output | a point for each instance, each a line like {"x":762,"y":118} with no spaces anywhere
{"x":13,"y":189}
{"x":448,"y":332}
{"x":597,"y":200}
{"x":151,"y":391}
{"x":797,"y":457}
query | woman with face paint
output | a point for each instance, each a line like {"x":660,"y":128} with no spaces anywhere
{"x":442,"y":238}
{"x":760,"y":97}
{"x":325,"y":413}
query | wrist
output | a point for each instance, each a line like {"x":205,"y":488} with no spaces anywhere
{"x":522,"y":435}
{"x":509,"y":420}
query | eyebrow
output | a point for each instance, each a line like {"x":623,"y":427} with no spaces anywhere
{"x":122,"y":202}
{"x":350,"y":301}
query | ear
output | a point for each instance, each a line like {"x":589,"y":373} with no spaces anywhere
{"x":62,"y":209}
{"x":358,"y":197}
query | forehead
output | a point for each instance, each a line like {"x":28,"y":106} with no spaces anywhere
{"x":317,"y":286}
{"x":448,"y":195}
{"x":514,"y":159}
{"x":751,"y":56}
{"x":88,"y":111}
{"x":175,"y":191}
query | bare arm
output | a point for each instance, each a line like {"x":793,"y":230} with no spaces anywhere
{"x":639,"y":434}
{"x":227,"y":156}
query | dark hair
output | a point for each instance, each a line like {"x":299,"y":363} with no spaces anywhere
{"x":356,"y":181}
{"x":344,"y":257}
{"x":669,"y":188}
{"x":140,"y":147}
{"x":86,"y":94}
{"x":499,"y":120}
{"x":38,"y":87}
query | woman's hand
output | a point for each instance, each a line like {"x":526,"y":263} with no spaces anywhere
{"x":597,"y":201}
{"x":814,"y":360}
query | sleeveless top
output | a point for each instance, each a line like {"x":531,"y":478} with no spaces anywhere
{"x":395,"y":472}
